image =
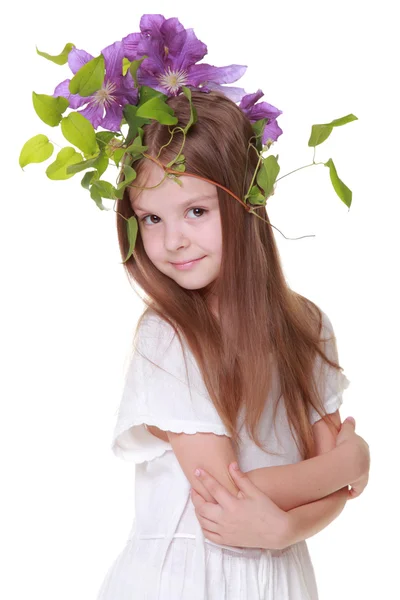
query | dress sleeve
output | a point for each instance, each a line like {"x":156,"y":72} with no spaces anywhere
{"x":330,"y":382}
{"x":158,"y":391}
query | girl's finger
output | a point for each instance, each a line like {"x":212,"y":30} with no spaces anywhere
{"x":217,"y":491}
{"x":207,"y":524}
{"x":207,"y":510}
{"x":197,"y":498}
{"x":245,"y":485}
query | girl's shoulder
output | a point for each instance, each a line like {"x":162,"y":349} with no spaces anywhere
{"x":152,"y":325}
{"x":157,"y":339}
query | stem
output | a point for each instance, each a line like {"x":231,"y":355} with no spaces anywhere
{"x":255,"y":172}
{"x":250,"y":145}
{"x":249,"y":208}
{"x":168,"y":143}
{"x":299,"y":169}
{"x":181,"y":148}
{"x":268,"y":223}
{"x":180,"y":173}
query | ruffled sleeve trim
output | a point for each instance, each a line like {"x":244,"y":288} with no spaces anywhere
{"x":133,"y":442}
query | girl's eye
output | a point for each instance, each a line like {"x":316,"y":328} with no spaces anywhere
{"x":203,"y":210}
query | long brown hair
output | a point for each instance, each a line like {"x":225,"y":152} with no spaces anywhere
{"x":259,"y":315}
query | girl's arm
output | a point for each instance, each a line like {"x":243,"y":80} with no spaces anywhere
{"x":341,"y":459}
{"x":254,"y":520}
{"x":309,"y":519}
{"x":288,"y":486}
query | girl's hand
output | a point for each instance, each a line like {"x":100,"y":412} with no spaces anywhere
{"x":360,"y":449}
{"x":250,"y":520}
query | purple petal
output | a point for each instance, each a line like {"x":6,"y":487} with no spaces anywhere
{"x":154,"y":49}
{"x":124,"y":92}
{"x":75,"y":100}
{"x":262,"y":110}
{"x":250,"y":99}
{"x":130,"y":43}
{"x":113,"y":56}
{"x":271,"y":132}
{"x":233,"y":93}
{"x":151,"y":24}
{"x":151,"y":81}
{"x":93,"y":113}
{"x":126,"y":89}
{"x":201,"y":73}
{"x":169,"y":29}
{"x":186,"y":50}
{"x":78,"y":58}
{"x":112,"y":118}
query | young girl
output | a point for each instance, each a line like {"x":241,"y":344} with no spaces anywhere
{"x":229,"y":364}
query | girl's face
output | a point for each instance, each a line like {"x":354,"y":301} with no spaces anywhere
{"x":179,"y":224}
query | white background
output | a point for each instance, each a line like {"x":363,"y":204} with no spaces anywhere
{"x":68,"y":313}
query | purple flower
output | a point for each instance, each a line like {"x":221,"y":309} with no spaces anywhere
{"x":173,"y":52}
{"x":255,"y":112}
{"x":104,"y":107}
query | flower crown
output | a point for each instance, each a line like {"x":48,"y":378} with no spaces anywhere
{"x":114,"y":95}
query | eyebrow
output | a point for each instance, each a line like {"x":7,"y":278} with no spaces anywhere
{"x":183,"y":205}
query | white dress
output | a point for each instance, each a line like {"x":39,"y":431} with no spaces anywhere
{"x":166,"y":556}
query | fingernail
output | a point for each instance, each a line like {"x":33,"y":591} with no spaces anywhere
{"x":352,"y":419}
{"x":235,"y":466}
{"x":198,"y":472}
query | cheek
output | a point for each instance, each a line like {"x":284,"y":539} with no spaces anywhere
{"x":214,"y":236}
{"x":150,"y":246}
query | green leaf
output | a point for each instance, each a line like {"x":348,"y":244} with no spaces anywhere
{"x":255,"y":196}
{"x":343,"y":120}
{"x":319,"y":133}
{"x":129,"y":176}
{"x":104,"y":188}
{"x":344,"y":193}
{"x":131,"y":229}
{"x":133,"y":67}
{"x":96,"y":196}
{"x":258,"y":129}
{"x":193,"y":112}
{"x":175,"y":178}
{"x":133,"y":121}
{"x":179,"y":167}
{"x":104,"y":137}
{"x":35,"y":150}
{"x":136,"y":146}
{"x":100,"y":162}
{"x":146,"y":93}
{"x":61,"y":58}
{"x":49,"y":109}
{"x":157,"y":109}
{"x":79,"y":131}
{"x":89,"y":78}
{"x":125,"y":66}
{"x":81,"y":166}
{"x":58,"y":169}
{"x":267,"y":174}
{"x":178,"y":161}
{"x":117,"y":155}
{"x":88,"y":179}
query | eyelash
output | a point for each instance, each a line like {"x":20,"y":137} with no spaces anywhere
{"x":193,"y":208}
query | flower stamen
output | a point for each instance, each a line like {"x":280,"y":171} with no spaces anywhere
{"x":104,"y":97}
{"x":173,"y":80}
